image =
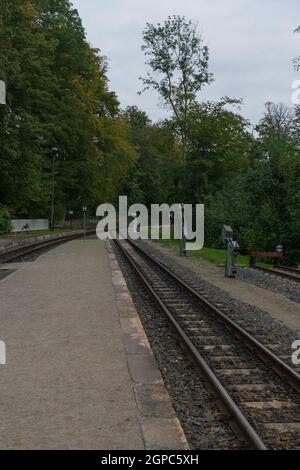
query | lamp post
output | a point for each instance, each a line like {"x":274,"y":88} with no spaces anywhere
{"x":84,"y":210}
{"x":54,"y":155}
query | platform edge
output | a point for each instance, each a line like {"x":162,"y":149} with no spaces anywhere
{"x":160,"y":427}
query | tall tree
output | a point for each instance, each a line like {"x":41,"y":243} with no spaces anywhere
{"x":151,"y":179}
{"x":219,"y":144}
{"x":25,"y":56}
{"x":178,"y":67}
{"x":59,"y":110}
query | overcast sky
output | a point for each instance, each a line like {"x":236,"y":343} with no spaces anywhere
{"x":251,"y":45}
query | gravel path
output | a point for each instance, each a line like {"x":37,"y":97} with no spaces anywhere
{"x":286,"y":287}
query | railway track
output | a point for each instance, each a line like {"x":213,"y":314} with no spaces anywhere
{"x":292,"y":274}
{"x":258,"y":389}
{"x":24,"y":250}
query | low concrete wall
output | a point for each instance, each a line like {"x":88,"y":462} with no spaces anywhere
{"x":11,"y":244}
{"x":21,"y":225}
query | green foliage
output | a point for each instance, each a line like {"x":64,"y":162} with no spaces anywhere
{"x":214,"y":255}
{"x":5,"y":225}
{"x":59,"y":108}
{"x":58,"y":98}
{"x":178,"y":67}
{"x":152,"y":178}
{"x":218,"y":148}
{"x":262,"y":203}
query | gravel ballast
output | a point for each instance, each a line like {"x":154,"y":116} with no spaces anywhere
{"x":285,"y":286}
{"x":204,"y":425}
{"x":256,"y":321}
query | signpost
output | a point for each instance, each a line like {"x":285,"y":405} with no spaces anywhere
{"x":54,"y":156}
{"x":232,"y":251}
{"x":84,"y":210}
{"x":182,"y":251}
{"x":279,"y":249}
{"x":71,"y":213}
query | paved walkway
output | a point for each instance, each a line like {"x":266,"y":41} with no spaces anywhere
{"x":66,"y":384}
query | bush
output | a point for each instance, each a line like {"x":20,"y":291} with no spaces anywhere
{"x":5,"y":225}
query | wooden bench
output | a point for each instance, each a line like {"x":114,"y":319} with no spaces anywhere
{"x":265,"y":254}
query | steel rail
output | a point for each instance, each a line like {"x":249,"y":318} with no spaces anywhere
{"x":279,"y":366}
{"x":277,"y":272}
{"x":233,"y":410}
{"x":288,"y":269}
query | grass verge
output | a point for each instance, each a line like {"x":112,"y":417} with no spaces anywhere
{"x":214,"y":255}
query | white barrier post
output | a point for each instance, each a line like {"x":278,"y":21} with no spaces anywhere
{"x":2,"y":353}
{"x":2,"y":92}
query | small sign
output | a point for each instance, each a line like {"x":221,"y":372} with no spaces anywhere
{"x":2,"y":92}
{"x":84,"y":209}
{"x":71,"y":212}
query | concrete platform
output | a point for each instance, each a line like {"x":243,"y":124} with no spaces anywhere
{"x":80,"y":373}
